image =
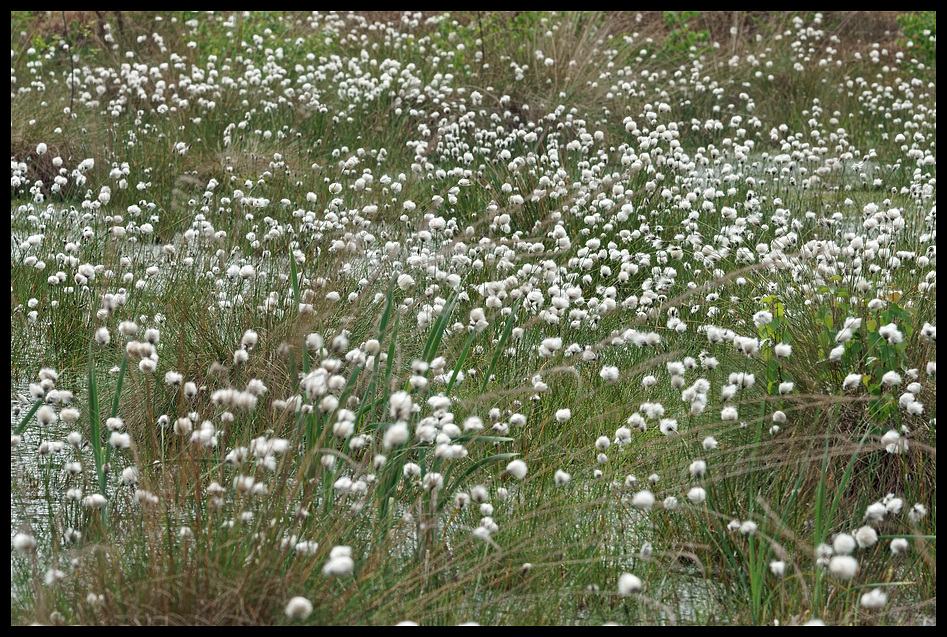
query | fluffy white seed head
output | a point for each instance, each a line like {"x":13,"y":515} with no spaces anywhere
{"x":874,"y":599}
{"x":866,"y":537}
{"x":24,"y":542}
{"x":629,"y":584}
{"x":643,"y":500}
{"x":396,"y":435}
{"x":517,"y":469}
{"x":298,"y":608}
{"x":843,"y":566}
{"x":843,"y":544}
{"x":899,"y":546}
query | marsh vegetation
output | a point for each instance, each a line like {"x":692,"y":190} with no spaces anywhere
{"x":506,"y":318}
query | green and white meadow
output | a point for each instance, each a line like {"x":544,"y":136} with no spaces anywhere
{"x":495,"y":318}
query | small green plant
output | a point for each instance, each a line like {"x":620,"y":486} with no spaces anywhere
{"x":920,"y":35}
{"x":682,"y":39}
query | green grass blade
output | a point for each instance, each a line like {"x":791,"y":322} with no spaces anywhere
{"x":29,"y":415}
{"x":95,"y":436}
{"x":460,"y":362}
{"x":507,"y":330}
{"x":459,"y":480}
{"x":437,"y":332}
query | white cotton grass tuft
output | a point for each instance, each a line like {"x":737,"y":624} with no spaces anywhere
{"x":748,"y":527}
{"x":622,"y":436}
{"x":893,"y":443}
{"x":94,"y":501}
{"x":892,"y":504}
{"x":629,"y":584}
{"x":851,"y":381}
{"x":643,"y":500}
{"x":183,"y":426}
{"x":823,"y":553}
{"x":866,"y":537}
{"x":875,"y":512}
{"x":249,"y":340}
{"x":782,"y":350}
{"x":129,"y":476}
{"x":340,"y":561}
{"x":472,"y":423}
{"x":298,"y":608}
{"x":24,"y":542}
{"x":396,"y":435}
{"x":517,"y":469}
{"x":637,"y":422}
{"x":891,"y":378}
{"x":120,"y":440}
{"x":763,"y":317}
{"x":652,"y":411}
{"x":102,"y":336}
{"x":46,"y":416}
{"x":843,"y":544}
{"x":668,"y":426}
{"x":53,"y":576}
{"x":891,"y":333}
{"x":915,"y":409}
{"x":400,"y":405}
{"x":562,"y":477}
{"x":917,"y":513}
{"x":729,"y":390}
{"x":697,"y":495}
{"x":874,"y":599}
{"x":609,"y":374}
{"x":899,"y":546}
{"x":843,"y":566}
